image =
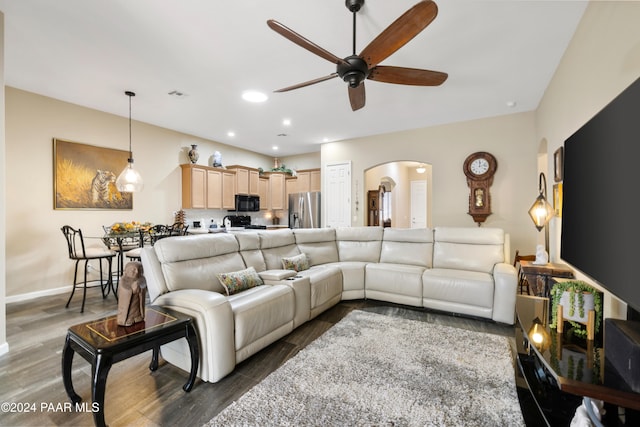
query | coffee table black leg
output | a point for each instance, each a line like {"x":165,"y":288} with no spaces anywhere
{"x":99,"y":371}
{"x":154,"y":359}
{"x":192,"y":339}
{"x":67,"y":360}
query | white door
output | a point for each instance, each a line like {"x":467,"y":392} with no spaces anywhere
{"x":419,"y":204}
{"x":337,"y":197}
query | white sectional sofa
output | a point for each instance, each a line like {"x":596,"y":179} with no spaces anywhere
{"x":460,"y":270}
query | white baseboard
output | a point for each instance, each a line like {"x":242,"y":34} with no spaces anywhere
{"x":32,"y":295}
{"x":4,"y":348}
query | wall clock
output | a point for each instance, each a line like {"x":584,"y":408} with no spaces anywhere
{"x":479,"y":168}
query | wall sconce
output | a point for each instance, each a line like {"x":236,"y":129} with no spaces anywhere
{"x":129,"y":180}
{"x":421,"y":168}
{"x":541,"y":211}
{"x":539,"y":336}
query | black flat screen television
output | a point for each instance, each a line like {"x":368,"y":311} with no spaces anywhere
{"x":601,"y":192}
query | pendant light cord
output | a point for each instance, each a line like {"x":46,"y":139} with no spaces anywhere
{"x":130,"y":94}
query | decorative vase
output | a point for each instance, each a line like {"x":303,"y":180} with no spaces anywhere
{"x":193,"y":154}
{"x":217,"y":159}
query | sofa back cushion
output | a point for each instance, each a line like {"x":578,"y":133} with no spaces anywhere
{"x":275,"y":245}
{"x":359,"y":243}
{"x":411,"y":246}
{"x":319,"y":244}
{"x":250,"y":250}
{"x":193,"y":262}
{"x":468,"y":248}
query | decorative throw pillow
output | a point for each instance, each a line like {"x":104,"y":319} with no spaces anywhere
{"x":238,"y":281}
{"x":297,"y":263}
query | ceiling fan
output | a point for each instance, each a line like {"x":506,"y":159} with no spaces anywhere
{"x":354,"y":69}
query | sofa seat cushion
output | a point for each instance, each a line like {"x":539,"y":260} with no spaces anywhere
{"x":326,"y":284}
{"x":397,"y":283}
{"x":458,"y":286}
{"x":259,"y":311}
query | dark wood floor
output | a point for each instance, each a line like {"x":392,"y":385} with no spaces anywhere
{"x":31,"y":371}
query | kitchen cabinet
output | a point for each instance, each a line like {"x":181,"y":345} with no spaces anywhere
{"x":277,"y":196}
{"x":205,"y":187}
{"x":263,"y":193}
{"x":308,"y":180}
{"x":214,"y":189}
{"x":228,"y":190}
{"x":247,"y":180}
{"x":194,"y":187}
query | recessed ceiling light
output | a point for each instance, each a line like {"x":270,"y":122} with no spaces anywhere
{"x":325,"y":139}
{"x":231,"y":133}
{"x":286,"y":122}
{"x":511,"y":104}
{"x":254,"y":96}
{"x":274,"y":148}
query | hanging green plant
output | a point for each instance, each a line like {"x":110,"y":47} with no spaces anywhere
{"x":576,"y":290}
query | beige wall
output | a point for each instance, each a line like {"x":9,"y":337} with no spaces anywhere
{"x":510,"y":138}
{"x":36,"y":258}
{"x":601,"y":61}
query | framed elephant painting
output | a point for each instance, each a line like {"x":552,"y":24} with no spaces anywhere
{"x":84,"y":177}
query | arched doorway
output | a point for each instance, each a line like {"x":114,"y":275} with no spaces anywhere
{"x":392,"y":181}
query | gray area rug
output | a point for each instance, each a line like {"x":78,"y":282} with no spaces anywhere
{"x":376,"y":370}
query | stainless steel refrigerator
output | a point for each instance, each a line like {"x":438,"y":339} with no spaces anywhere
{"x":304,"y":210}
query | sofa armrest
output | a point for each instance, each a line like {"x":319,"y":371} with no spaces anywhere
{"x":302,"y":293}
{"x":504,"y":293}
{"x":275,"y":275}
{"x":215,"y":325}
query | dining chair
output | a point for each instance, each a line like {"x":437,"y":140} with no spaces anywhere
{"x":134,"y":254}
{"x":522,"y":280}
{"x":120,"y":243}
{"x":79,"y":252}
{"x":178,"y":229}
{"x":159,"y":231}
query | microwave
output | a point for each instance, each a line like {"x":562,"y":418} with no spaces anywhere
{"x":247,"y":203}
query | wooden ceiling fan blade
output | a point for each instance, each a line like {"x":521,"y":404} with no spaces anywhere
{"x":307,"y":83}
{"x":396,"y":35}
{"x":407,"y":76}
{"x":357,"y":97}
{"x":303,"y":42}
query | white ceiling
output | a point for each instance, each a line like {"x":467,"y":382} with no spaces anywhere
{"x":88,"y":52}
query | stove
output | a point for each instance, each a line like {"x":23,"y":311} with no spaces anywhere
{"x":238,"y":220}
{"x":255,"y":227}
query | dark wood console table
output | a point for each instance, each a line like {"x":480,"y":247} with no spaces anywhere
{"x":563,"y":369}
{"x":102,"y":343}
{"x":539,"y":275}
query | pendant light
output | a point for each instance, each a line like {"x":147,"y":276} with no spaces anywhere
{"x":129,"y":180}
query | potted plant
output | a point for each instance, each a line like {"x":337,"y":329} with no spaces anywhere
{"x":577,"y":298}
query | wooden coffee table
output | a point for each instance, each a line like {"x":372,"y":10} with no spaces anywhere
{"x":102,"y":343}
